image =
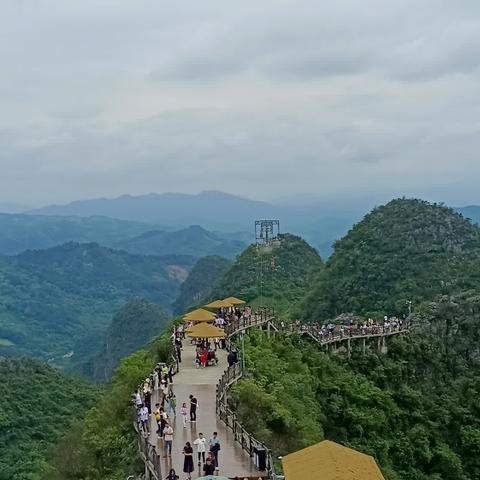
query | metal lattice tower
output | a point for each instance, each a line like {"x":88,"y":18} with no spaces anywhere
{"x":266,"y":231}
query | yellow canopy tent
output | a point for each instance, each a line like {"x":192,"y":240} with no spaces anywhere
{"x":330,"y":461}
{"x":199,"y":315}
{"x":205,"y":330}
{"x":234,"y":301}
{"x":219,"y":304}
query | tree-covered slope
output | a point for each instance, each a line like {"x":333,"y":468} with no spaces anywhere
{"x":203,"y":278}
{"x":131,"y":328}
{"x":104,"y":446}
{"x":61,"y":300}
{"x":407,"y":250}
{"x":37,"y":405}
{"x":277,"y":274}
{"x":194,"y":241}
{"x":415,"y":409}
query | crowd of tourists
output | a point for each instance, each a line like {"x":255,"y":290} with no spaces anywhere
{"x":164,"y":413}
{"x":330,"y":331}
{"x":160,"y":384}
{"x":206,"y":348}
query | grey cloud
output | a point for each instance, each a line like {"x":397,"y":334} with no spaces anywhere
{"x":100,"y":99}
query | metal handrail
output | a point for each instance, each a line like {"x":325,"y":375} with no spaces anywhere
{"x":231,"y":376}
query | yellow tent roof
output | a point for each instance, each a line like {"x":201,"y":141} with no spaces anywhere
{"x":330,"y":461}
{"x":219,"y":304}
{"x":205,"y":330}
{"x":199,"y":315}
{"x":234,"y":301}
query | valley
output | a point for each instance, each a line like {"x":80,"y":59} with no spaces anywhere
{"x":412,"y":407}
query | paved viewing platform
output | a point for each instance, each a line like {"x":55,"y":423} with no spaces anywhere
{"x":201,"y":383}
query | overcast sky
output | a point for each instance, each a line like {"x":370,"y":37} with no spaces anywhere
{"x":264,"y":99}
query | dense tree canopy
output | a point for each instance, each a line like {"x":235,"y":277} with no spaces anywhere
{"x":56,"y":301}
{"x":131,"y":328}
{"x":278,"y":274}
{"x":415,"y":409}
{"x":407,"y":250}
{"x":203,"y":278}
{"x":37,"y":405}
{"x":105,"y":441}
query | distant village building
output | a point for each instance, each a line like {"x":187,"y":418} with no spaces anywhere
{"x":330,"y":461}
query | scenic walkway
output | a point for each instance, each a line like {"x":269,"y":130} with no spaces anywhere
{"x":201,"y":383}
{"x":214,"y":415}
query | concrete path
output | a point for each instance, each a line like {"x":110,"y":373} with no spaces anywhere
{"x":233,"y":461}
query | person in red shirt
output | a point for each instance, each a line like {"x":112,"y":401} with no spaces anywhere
{"x":203,"y":358}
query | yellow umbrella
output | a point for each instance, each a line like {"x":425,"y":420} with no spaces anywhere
{"x":199,"y":315}
{"x":219,"y":304}
{"x":205,"y":330}
{"x":234,"y":301}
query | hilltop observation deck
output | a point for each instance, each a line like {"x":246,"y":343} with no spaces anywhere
{"x":241,"y":455}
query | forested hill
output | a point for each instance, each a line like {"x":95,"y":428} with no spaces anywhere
{"x":407,"y":250}
{"x":415,"y":409}
{"x":194,"y":241}
{"x":203,"y":278}
{"x":278,"y":274}
{"x":131,"y":328}
{"x":57,"y":301}
{"x":37,"y":405}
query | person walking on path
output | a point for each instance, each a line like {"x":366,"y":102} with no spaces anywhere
{"x":163,"y":422}
{"x":193,"y":408}
{"x":172,"y":475}
{"x":188,"y":460}
{"x":214,"y":445}
{"x":172,"y":404}
{"x":164,"y":389}
{"x":184,"y":413}
{"x":138,"y":399}
{"x":208,"y":467}
{"x":158,"y":416}
{"x":143,"y":416}
{"x":201,"y":443}
{"x":168,"y":439}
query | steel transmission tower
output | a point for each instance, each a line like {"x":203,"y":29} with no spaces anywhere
{"x":266,"y":232}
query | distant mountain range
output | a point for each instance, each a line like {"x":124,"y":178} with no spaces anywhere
{"x":320,"y":223}
{"x":471,"y":212}
{"x":20,"y":232}
{"x":210,"y":209}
